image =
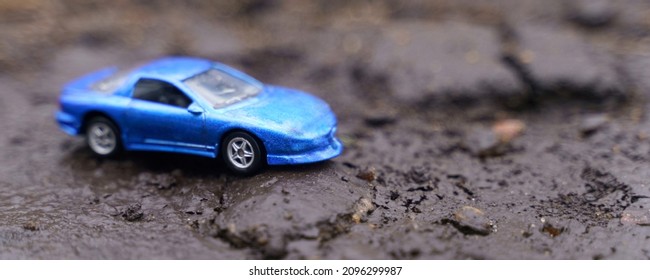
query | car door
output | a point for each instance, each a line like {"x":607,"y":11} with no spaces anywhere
{"x":158,"y":118}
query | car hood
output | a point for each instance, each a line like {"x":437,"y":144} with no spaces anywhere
{"x":83,"y":83}
{"x":286,"y":110}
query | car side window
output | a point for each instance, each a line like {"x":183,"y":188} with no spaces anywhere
{"x":160,"y":92}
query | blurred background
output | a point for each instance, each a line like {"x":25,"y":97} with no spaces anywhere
{"x":415,"y":50}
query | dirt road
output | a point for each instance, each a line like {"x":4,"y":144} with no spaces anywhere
{"x":507,"y":130}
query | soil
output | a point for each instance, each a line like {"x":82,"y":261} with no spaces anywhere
{"x":502,"y":130}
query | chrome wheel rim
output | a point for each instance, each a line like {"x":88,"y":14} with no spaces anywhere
{"x":102,"y":138}
{"x":240,"y":152}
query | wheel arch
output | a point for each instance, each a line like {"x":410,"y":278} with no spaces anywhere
{"x":93,"y":114}
{"x":236,"y":129}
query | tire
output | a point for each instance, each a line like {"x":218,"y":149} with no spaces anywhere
{"x":103,"y":137}
{"x":242,"y":153}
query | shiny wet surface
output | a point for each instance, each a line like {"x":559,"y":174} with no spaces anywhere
{"x":474,"y":177}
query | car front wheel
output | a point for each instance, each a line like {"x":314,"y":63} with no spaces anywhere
{"x":242,"y":153}
{"x":103,"y":137}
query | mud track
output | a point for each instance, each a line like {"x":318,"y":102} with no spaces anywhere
{"x":507,"y":130}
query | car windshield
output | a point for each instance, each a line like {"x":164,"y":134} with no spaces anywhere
{"x":111,"y":83}
{"x":220,"y":88}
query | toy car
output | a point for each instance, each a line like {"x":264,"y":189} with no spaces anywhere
{"x":200,"y":107}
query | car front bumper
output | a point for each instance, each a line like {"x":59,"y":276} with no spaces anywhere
{"x":67,"y":122}
{"x":331,"y":150}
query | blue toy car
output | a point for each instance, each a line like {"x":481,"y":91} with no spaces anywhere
{"x":196,"y":106}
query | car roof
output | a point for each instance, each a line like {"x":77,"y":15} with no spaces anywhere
{"x":175,"y":68}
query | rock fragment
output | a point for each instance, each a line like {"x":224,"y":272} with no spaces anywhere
{"x":471,"y":220}
{"x":31,"y":226}
{"x":368,"y":174}
{"x":636,"y":217}
{"x":551,"y":229}
{"x":592,"y":123}
{"x":508,"y":129}
{"x":132,"y":212}
{"x":419,"y":174}
{"x":362,"y":207}
{"x":483,"y":142}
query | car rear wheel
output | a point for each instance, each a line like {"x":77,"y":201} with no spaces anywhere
{"x":242,"y":153}
{"x":103,"y":137}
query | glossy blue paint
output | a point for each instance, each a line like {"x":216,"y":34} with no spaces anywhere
{"x":293,"y":127}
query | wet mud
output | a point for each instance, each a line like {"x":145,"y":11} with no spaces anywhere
{"x":505,"y":130}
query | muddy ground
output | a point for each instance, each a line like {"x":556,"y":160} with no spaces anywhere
{"x":501,"y":129}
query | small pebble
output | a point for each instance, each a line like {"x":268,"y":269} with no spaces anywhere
{"x":31,"y":226}
{"x":592,"y":123}
{"x":471,"y":220}
{"x":509,"y":129}
{"x":636,"y":217}
{"x":362,"y":207}
{"x":368,"y":174}
{"x":551,"y":229}
{"x":133,"y":212}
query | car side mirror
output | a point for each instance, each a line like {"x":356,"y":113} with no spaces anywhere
{"x":195,"y":109}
